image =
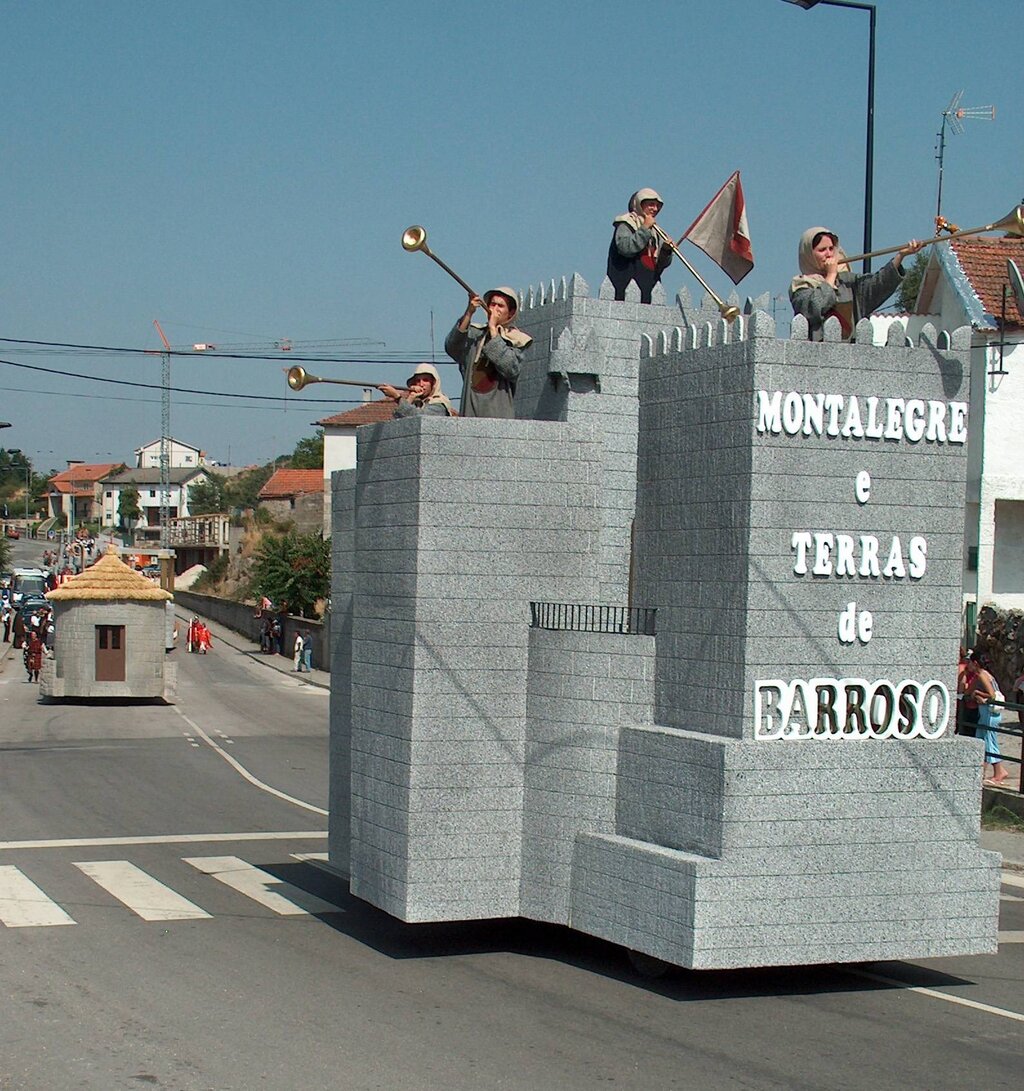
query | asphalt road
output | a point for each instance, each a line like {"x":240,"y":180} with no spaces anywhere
{"x":161,"y":928}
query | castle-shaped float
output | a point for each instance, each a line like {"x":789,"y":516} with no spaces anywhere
{"x":669,"y":659}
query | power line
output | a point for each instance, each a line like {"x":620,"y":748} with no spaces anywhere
{"x":397,"y":358}
{"x":158,"y":386}
{"x":289,"y":404}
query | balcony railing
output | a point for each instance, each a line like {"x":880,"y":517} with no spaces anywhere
{"x":584,"y":618}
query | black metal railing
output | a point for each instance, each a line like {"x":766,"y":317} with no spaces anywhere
{"x":582,"y":618}
{"x":1015,"y":732}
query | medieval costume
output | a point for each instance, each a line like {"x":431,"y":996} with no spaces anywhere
{"x":635,"y":252}
{"x":489,"y":365}
{"x":853,"y":297}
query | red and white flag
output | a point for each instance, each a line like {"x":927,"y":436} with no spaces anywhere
{"x":721,"y":231}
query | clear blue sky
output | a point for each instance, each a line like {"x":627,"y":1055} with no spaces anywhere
{"x":243,"y":172}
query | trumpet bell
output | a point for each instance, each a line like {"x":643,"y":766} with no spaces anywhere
{"x":298,"y":377}
{"x":414,"y":238}
{"x":1012,"y":223}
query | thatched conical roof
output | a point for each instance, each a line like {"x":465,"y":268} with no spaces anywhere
{"x":109,"y":579}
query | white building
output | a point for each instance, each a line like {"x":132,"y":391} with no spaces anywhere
{"x":340,"y":441}
{"x":147,"y":482}
{"x":181,"y":454}
{"x":965,"y":284}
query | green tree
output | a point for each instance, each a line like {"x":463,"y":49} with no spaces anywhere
{"x":207,"y":497}
{"x":128,"y":510}
{"x":910,"y":285}
{"x":293,"y":569}
{"x":308,"y":453}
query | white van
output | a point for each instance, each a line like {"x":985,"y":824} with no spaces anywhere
{"x":27,"y":581}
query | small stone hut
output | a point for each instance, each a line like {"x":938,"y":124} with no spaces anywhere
{"x":110,"y":635}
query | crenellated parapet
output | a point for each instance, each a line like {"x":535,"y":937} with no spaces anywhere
{"x":768,"y":775}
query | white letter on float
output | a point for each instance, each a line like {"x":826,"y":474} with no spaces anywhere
{"x":862,"y":487}
{"x":768,"y":411}
{"x":957,"y":422}
{"x":914,"y":420}
{"x":769,"y":715}
{"x":894,"y":418}
{"x":822,"y":549}
{"x":936,"y":430}
{"x":792,"y":413}
{"x":918,"y":553}
{"x":844,"y":562}
{"x":869,"y":555}
{"x":801,"y":543}
{"x":894,"y":566}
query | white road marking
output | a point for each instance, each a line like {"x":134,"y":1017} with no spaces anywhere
{"x":140,"y":892}
{"x":1011,"y":937}
{"x":962,"y":1001}
{"x":1011,"y":880}
{"x":239,"y":768}
{"x":164,"y":839}
{"x":24,"y":905}
{"x":255,"y":883}
{"x":303,"y":856}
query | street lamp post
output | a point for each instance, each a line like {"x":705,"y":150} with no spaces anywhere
{"x":869,"y":168}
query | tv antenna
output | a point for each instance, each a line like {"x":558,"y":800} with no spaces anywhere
{"x":954,"y":116}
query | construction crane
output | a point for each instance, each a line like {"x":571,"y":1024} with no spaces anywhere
{"x":955,"y":115}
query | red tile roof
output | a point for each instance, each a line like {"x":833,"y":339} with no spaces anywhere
{"x":292,"y":483}
{"x":984,"y":264}
{"x":81,"y":479}
{"x":367,"y":413}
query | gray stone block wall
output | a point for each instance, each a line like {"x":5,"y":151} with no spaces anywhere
{"x":584,"y":367}
{"x":72,"y":672}
{"x":458,"y":525}
{"x":719,"y":504}
{"x":582,"y":689}
{"x":342,"y":587}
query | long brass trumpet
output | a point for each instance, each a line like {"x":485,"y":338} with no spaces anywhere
{"x":728,"y":311}
{"x":298,"y":378}
{"x":1012,"y":223}
{"x":415,"y":238}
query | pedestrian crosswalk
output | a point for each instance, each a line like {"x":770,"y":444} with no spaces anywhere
{"x":24,"y":904}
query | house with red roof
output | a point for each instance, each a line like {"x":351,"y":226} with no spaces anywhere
{"x":340,"y":433}
{"x":297,"y":495}
{"x":74,"y":495}
{"x":340,"y":441}
{"x":967,"y":283}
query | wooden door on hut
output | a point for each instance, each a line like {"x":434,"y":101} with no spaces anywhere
{"x":110,"y":653}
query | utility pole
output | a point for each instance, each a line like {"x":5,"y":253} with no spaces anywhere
{"x":165,"y":439}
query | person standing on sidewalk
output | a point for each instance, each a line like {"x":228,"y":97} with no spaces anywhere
{"x":307,"y":650}
{"x":297,"y":652}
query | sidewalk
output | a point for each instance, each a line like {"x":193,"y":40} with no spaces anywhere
{"x":282,"y":664}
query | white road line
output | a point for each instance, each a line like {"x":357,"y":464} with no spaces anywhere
{"x":239,"y":768}
{"x":164,"y":839}
{"x":1011,"y":937}
{"x":255,"y":883}
{"x":24,"y":905}
{"x":962,"y":1001}
{"x":304,"y":856}
{"x":140,"y":892}
{"x":1011,"y":880}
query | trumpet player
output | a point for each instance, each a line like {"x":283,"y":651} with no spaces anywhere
{"x":635,"y":252}
{"x":489,"y":356}
{"x":826,"y":286}
{"x":422,"y":394}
